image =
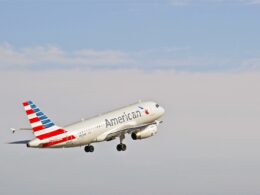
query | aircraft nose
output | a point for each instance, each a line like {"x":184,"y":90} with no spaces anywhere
{"x":162,"y":110}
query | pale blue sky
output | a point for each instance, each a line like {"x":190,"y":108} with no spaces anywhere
{"x":183,"y":35}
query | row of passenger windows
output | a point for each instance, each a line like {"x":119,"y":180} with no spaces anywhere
{"x":84,"y":131}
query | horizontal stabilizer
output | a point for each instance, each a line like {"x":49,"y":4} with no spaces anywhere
{"x":19,"y":142}
{"x":20,"y":129}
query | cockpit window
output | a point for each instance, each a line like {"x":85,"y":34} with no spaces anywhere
{"x":157,"y":105}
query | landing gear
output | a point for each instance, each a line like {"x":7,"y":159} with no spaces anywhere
{"x":89,"y":148}
{"x":121,"y":146}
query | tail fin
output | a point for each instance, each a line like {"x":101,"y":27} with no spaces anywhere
{"x":42,"y":126}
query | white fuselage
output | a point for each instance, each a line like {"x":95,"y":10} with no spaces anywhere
{"x":97,"y":128}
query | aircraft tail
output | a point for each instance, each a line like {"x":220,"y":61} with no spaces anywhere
{"x":42,"y":126}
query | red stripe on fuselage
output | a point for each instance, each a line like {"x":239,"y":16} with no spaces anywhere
{"x":25,"y":104}
{"x":51,"y":134}
{"x":33,"y":120}
{"x":29,"y":112}
{"x":52,"y":143}
{"x":41,"y":127}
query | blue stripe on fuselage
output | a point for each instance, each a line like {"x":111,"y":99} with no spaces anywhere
{"x":43,"y":117}
{"x":40,"y":114}
{"x":46,"y":121}
{"x":36,"y":110}
{"x":48,"y":125}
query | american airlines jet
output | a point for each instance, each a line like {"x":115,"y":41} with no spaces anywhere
{"x":140,"y":120}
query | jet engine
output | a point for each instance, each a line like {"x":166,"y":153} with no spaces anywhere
{"x":145,"y":133}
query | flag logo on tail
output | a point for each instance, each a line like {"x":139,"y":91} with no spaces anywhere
{"x":42,"y":126}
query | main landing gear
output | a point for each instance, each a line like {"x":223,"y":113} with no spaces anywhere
{"x":89,"y":148}
{"x":121,"y":146}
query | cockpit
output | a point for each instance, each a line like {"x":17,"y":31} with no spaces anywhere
{"x":158,"y":109}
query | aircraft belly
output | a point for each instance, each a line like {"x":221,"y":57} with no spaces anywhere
{"x":85,"y":140}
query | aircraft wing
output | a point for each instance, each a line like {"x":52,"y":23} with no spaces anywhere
{"x":129,"y":128}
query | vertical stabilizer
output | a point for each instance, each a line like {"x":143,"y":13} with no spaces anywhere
{"x":42,"y":126}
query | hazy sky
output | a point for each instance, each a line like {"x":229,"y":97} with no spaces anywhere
{"x":199,"y":59}
{"x":208,"y":143}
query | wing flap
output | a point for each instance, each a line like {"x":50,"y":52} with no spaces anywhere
{"x":124,"y":130}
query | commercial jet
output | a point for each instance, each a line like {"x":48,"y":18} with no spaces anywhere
{"x":140,"y":120}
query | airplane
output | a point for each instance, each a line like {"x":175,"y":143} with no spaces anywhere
{"x":140,"y":119}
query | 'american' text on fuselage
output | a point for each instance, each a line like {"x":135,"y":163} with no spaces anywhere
{"x":123,"y":118}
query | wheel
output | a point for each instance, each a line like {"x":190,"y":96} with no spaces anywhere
{"x":91,"y":148}
{"x":123,"y":147}
{"x":86,"y":148}
{"x":118,"y":147}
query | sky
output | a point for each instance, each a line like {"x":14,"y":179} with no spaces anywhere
{"x":207,"y":144}
{"x":183,"y":35}
{"x":199,"y":59}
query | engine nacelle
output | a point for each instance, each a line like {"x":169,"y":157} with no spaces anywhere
{"x":145,"y":133}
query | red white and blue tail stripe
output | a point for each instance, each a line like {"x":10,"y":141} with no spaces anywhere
{"x":42,"y":126}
